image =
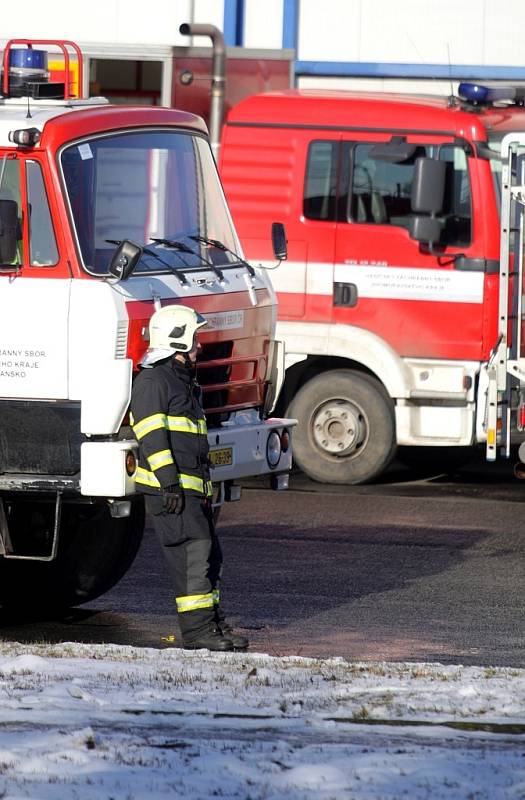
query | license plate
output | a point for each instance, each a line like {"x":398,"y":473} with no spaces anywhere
{"x":222,"y":457}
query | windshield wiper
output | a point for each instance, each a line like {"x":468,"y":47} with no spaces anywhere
{"x":174,"y":245}
{"x":220,"y":246}
{"x":178,"y":273}
{"x":146,"y":250}
{"x":183,"y":248}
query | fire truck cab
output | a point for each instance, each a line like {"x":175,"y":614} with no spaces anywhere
{"x":389,"y":301}
{"x":107,"y":213}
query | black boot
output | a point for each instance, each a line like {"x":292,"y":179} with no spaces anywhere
{"x":211,"y":639}
{"x":238,"y":642}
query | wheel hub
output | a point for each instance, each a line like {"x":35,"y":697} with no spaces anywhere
{"x":338,"y":427}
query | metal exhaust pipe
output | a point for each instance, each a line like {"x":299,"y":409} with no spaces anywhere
{"x":218,"y":78}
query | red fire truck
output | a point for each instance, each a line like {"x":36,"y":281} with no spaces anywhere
{"x":389,"y":303}
{"x":107,"y":213}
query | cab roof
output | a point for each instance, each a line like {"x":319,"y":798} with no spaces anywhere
{"x":403,"y":113}
{"x":62,"y":121}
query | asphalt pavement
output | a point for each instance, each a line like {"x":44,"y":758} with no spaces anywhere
{"x":413,"y":567}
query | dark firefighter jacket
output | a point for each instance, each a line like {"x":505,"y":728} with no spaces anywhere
{"x":169,"y":423}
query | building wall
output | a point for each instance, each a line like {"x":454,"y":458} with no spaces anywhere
{"x":410,"y":44}
{"x":155,"y":22}
{"x":410,"y":40}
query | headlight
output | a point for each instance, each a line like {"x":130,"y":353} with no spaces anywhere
{"x":273,"y":449}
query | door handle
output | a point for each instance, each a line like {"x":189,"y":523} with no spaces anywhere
{"x":345,"y":294}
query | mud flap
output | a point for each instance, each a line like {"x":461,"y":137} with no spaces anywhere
{"x":5,"y":540}
{"x":6,"y":544}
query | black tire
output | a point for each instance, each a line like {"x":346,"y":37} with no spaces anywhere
{"x":330,"y":447}
{"x":95,"y":551}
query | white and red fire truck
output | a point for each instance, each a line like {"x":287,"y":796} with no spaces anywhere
{"x":400,"y":302}
{"x":107,"y":213}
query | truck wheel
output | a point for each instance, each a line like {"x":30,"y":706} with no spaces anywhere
{"x":95,"y":550}
{"x":346,"y":430}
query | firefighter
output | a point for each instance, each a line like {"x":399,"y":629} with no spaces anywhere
{"x":173,"y":473}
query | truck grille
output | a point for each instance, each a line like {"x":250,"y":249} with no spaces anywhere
{"x":229,"y":379}
{"x":232,"y":366}
{"x":213,"y":371}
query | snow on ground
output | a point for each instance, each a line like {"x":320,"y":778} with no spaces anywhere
{"x":94,"y":722}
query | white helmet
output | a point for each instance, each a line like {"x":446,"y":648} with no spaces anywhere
{"x":171,"y":330}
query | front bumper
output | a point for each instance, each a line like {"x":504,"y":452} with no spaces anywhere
{"x":243,"y":445}
{"x":248,"y":443}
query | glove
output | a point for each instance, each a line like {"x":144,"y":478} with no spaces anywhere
{"x":172,"y":499}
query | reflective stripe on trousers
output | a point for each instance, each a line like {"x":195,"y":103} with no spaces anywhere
{"x":192,"y":602}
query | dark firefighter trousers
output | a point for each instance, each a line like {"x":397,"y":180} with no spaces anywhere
{"x":194,"y":557}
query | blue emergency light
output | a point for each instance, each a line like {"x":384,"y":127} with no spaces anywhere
{"x":478,"y":94}
{"x":33,"y":61}
{"x":28,"y":75}
{"x":25,"y":69}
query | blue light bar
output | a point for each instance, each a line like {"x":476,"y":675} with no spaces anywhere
{"x":28,"y":59}
{"x":477,"y":93}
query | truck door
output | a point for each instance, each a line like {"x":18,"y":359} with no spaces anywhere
{"x":34,"y":292}
{"x":425,"y":302}
{"x":319,"y":219}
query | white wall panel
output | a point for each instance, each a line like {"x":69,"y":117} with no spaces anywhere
{"x":154,"y":23}
{"x":263,"y":23}
{"x":505,"y":32}
{"x":330,"y":31}
{"x":413,"y":31}
{"x":418,"y":31}
{"x":119,"y":21}
{"x":408,"y":86}
{"x":478,"y":32}
{"x":99,"y":22}
{"x":210,"y":12}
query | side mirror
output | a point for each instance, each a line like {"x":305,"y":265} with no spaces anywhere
{"x":428,"y":186}
{"x":124,"y":260}
{"x":280,"y":249}
{"x":9,"y":230}
{"x":426,"y":230}
{"x":427,"y":199}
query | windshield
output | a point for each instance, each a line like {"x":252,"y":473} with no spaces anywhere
{"x":147,"y":186}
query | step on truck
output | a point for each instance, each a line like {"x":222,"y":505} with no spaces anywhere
{"x":400,"y":302}
{"x":106,"y":214}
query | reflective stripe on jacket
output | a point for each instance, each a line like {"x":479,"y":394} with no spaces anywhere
{"x":190,"y":482}
{"x":170,"y":427}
